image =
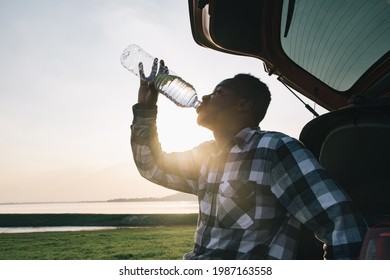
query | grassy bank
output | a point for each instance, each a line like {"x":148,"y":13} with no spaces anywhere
{"x":153,"y":243}
{"x":118,"y":220}
{"x":165,"y":236}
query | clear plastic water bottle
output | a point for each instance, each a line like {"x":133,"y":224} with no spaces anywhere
{"x":169,"y":84}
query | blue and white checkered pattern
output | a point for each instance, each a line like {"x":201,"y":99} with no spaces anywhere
{"x":254,"y":195}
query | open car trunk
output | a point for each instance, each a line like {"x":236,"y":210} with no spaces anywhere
{"x":336,"y":53}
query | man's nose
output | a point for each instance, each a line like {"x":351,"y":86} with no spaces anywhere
{"x":206,"y":97}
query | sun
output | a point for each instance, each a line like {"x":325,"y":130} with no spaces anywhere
{"x":177,"y":127}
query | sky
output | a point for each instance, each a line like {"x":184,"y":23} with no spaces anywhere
{"x":65,"y":99}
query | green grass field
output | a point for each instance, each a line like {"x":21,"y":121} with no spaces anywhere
{"x":150,"y":237}
{"x":152,"y":243}
{"x":118,"y":220}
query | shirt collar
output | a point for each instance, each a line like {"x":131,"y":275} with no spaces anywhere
{"x":243,"y":137}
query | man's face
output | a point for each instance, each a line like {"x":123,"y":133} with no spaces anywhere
{"x":218,"y":108}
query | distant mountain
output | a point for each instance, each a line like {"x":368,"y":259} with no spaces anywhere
{"x":180,"y":197}
{"x":173,"y":197}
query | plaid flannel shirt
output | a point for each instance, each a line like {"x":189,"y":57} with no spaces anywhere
{"x":253,"y":196}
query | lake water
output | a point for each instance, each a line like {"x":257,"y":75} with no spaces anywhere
{"x":48,"y":229}
{"x":146,"y":207}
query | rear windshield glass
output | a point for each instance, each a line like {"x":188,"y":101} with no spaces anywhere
{"x":336,"y":41}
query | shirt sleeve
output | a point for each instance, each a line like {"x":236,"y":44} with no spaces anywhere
{"x":177,"y":171}
{"x":305,"y":189}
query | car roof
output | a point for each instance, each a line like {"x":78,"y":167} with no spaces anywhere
{"x":329,"y":51}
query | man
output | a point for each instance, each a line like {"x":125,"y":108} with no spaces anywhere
{"x":255,"y":188}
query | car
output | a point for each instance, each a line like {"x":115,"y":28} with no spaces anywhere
{"x":337,"y":54}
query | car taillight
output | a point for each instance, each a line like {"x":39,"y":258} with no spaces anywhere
{"x":376,"y":245}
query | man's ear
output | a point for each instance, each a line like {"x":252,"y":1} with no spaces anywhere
{"x":244,"y":105}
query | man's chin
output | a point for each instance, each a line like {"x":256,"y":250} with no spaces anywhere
{"x":203,"y":122}
{"x":199,"y":121}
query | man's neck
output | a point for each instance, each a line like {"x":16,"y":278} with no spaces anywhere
{"x":225,"y":131}
{"x":224,"y":137}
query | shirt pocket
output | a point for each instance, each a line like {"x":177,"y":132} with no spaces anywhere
{"x":236,"y":204}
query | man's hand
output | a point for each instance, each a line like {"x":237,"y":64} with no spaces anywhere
{"x":147,"y":93}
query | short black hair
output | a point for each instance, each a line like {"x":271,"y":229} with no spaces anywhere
{"x":253,"y":89}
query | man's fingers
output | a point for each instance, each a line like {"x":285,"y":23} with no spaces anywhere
{"x":154,"y":70}
{"x":141,"y":73}
{"x":163,"y":70}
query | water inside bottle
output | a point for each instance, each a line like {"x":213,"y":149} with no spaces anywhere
{"x":177,"y":90}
